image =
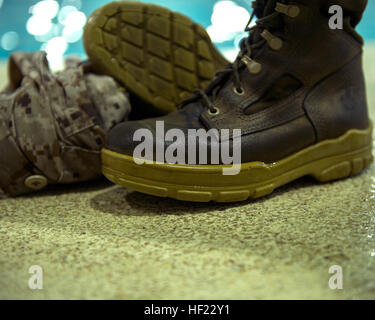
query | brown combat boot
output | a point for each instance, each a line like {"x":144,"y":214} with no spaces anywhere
{"x":159,"y":55}
{"x":297,"y":94}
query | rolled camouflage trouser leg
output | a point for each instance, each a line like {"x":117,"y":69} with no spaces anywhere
{"x":52,"y":126}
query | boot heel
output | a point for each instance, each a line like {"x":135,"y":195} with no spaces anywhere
{"x":344,"y":168}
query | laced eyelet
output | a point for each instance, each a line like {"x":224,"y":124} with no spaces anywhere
{"x":213,"y":111}
{"x":291,"y":11}
{"x":239,"y":91}
{"x":253,"y":66}
{"x":274,"y":42}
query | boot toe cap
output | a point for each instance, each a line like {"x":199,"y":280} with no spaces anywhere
{"x":120,"y":138}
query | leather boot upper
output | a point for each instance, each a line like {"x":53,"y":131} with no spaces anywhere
{"x":294,"y":83}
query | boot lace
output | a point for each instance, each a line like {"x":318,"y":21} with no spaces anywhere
{"x":258,"y":36}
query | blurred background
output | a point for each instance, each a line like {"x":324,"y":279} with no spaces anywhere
{"x":56,"y":25}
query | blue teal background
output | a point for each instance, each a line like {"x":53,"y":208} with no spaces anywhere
{"x":15,"y":13}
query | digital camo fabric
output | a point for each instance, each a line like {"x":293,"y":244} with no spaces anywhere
{"x":53,"y":126}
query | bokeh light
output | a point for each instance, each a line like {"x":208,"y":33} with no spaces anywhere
{"x":46,"y":9}
{"x":55,"y":48}
{"x":56,"y":27}
{"x":72,"y":36}
{"x":228,"y":20}
{"x":75,"y":20}
{"x":54,"y":31}
{"x":38,"y":26}
{"x":35,"y":23}
{"x":64,"y":12}
{"x":10,"y":40}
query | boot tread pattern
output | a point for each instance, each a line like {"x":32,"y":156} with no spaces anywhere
{"x":159,"y":55}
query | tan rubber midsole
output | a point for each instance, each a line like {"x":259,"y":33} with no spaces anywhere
{"x":355,"y":144}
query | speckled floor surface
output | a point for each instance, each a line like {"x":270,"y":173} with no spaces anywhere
{"x":96,"y":240}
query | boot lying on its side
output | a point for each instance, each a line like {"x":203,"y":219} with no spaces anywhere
{"x":159,"y":55}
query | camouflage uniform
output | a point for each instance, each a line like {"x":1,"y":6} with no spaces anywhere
{"x":53,"y":126}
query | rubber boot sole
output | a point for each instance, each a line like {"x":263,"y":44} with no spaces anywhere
{"x":326,"y":161}
{"x":159,"y":55}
